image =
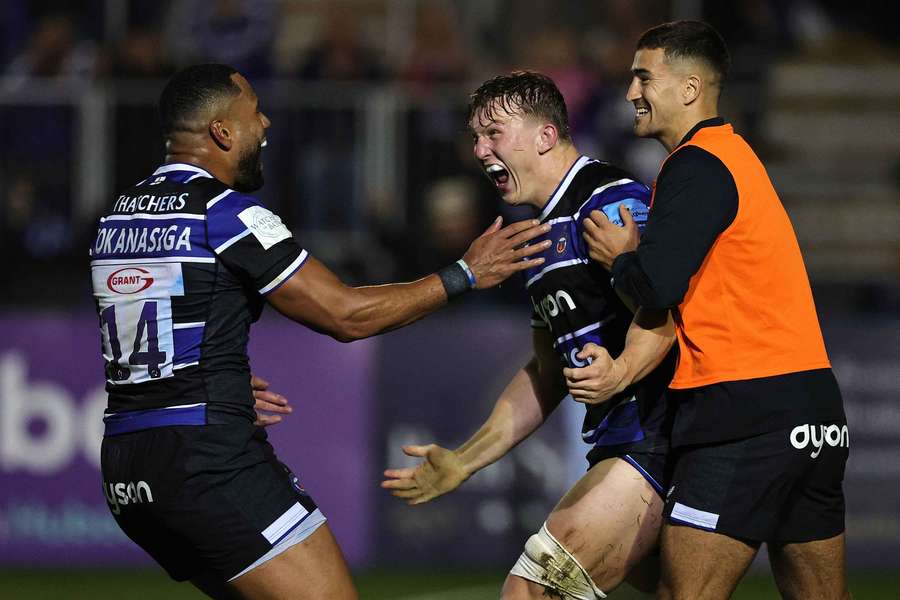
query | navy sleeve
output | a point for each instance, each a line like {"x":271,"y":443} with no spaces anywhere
{"x":696,"y":200}
{"x":607,"y":199}
{"x":252,"y":241}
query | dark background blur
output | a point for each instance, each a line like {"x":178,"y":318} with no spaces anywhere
{"x":369,"y":164}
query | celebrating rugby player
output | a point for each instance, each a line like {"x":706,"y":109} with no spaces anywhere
{"x":759,"y":436}
{"x":608,"y":523}
{"x":182,"y":264}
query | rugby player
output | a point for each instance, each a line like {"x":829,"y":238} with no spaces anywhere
{"x":609,"y":521}
{"x":182,"y":264}
{"x":759,"y":436}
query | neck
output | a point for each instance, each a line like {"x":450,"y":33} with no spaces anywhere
{"x":671,"y":140}
{"x":556,"y":168}
{"x":179,"y":151}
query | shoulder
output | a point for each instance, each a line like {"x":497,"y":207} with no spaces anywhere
{"x":695,"y":178}
{"x":600,"y":174}
{"x":228,"y":204}
{"x":231,"y":213}
{"x":605,"y":184}
{"x":222,"y":198}
{"x":694,"y":163}
{"x":601,"y":171}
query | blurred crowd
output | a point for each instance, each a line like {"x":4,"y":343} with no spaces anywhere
{"x":430,"y":52}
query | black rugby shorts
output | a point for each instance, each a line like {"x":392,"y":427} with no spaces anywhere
{"x":783,"y":486}
{"x":202,"y":499}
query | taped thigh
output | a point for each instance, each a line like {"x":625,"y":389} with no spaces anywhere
{"x":546,"y":562}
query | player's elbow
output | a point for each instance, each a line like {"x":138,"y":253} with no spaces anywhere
{"x":353,"y":321}
{"x":667,"y":296}
{"x":349,"y":332}
{"x":344,"y":328}
{"x":647,"y":298}
{"x":662,"y":301}
{"x":333,"y":319}
{"x":344,"y":336}
{"x":657,"y":296}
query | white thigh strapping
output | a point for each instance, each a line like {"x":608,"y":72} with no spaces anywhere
{"x":546,"y":562}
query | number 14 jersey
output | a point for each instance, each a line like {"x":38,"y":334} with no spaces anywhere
{"x":180,"y":267}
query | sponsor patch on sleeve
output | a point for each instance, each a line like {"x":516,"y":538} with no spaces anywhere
{"x":265,"y":225}
{"x":637,"y":208}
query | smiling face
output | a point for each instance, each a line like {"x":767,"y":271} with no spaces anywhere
{"x":249,"y":126}
{"x":655,"y":92}
{"x":507,"y":145}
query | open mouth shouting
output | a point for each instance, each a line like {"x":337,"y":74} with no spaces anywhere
{"x":499,"y":175}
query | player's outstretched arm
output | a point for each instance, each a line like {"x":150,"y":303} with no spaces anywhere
{"x":649,"y":338}
{"x":527,"y":401}
{"x":315,"y":296}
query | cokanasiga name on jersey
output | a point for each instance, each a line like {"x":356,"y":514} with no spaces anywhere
{"x":137,"y":270}
{"x":158,"y":247}
{"x":571,"y":294}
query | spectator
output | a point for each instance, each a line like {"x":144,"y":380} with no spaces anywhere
{"x":341,"y":54}
{"x":139,"y":55}
{"x":234,"y":32}
{"x":325,"y":163}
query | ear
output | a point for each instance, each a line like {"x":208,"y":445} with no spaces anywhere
{"x":221,"y":134}
{"x":548,"y":137}
{"x":693,"y":85}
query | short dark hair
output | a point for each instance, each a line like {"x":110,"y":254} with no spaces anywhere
{"x":191,"y":90}
{"x":690,"y":39}
{"x":523,"y":92}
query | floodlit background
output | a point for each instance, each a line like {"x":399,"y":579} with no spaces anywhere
{"x":369,"y":164}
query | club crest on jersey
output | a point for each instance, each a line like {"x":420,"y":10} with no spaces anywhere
{"x":129,"y":280}
{"x":561,"y":245}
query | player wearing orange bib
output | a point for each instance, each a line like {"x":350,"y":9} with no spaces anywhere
{"x":760,"y":435}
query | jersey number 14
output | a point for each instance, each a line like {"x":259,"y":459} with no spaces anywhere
{"x":152,"y":357}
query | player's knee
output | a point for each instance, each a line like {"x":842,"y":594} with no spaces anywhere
{"x":546,"y":562}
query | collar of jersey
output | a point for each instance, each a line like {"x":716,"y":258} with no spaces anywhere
{"x":182,"y":167}
{"x":563,"y":186}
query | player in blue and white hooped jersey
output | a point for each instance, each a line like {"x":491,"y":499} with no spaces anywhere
{"x":182,"y":265}
{"x":608,"y":523}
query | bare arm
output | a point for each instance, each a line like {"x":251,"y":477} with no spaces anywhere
{"x":532,"y":394}
{"x":316,"y":297}
{"x":649,"y":339}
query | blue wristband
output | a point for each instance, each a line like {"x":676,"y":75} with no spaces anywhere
{"x":469,"y":274}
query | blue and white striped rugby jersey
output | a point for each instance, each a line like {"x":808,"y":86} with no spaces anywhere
{"x":181,"y":265}
{"x":572,"y":296}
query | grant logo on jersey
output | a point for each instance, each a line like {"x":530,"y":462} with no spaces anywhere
{"x":136,"y":329}
{"x":130,"y":280}
{"x":265,"y":225}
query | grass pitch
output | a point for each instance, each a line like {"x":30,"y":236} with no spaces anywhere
{"x":373,"y":585}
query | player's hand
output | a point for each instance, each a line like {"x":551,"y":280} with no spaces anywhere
{"x":606,"y":240}
{"x":439,"y":473}
{"x":268,"y":402}
{"x":598,"y":381}
{"x":498,"y":253}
